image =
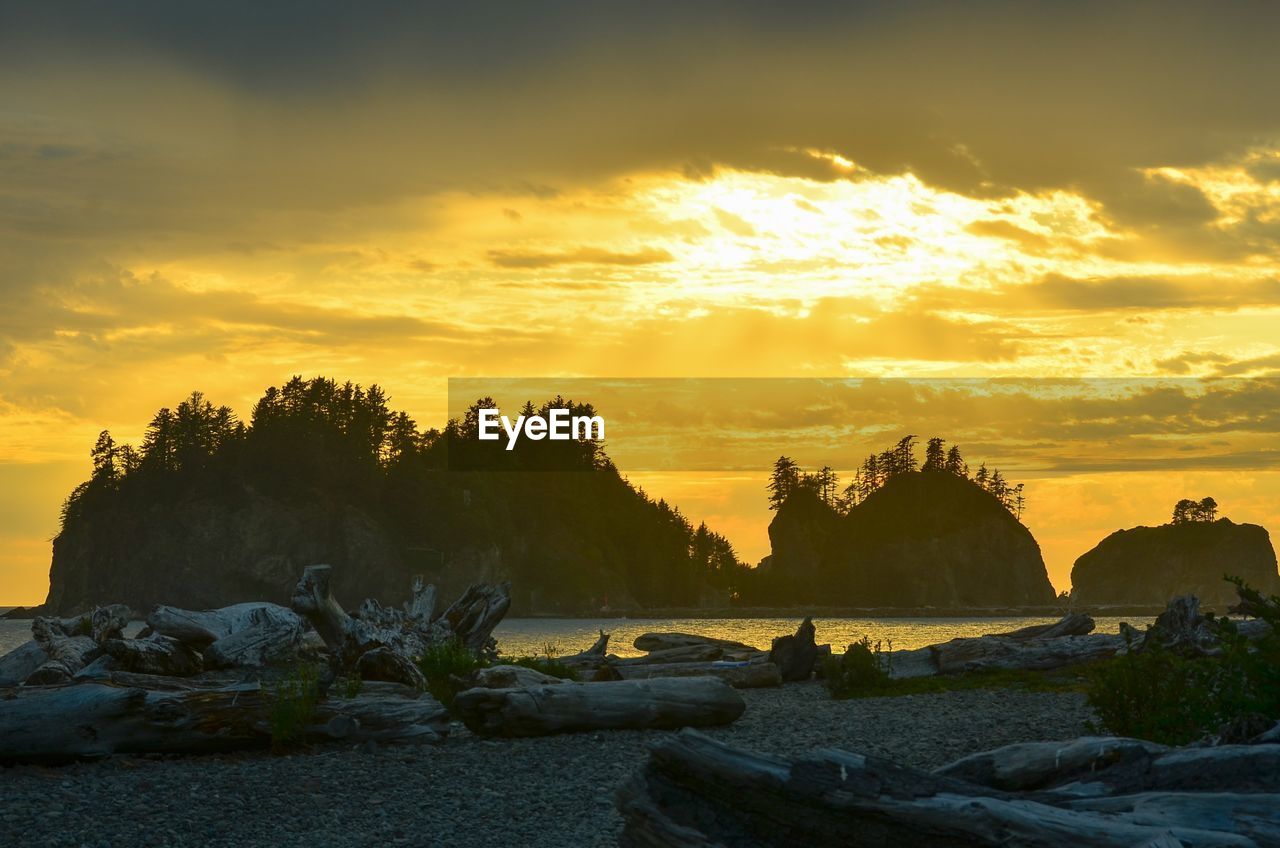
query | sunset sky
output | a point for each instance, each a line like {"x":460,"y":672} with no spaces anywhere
{"x":220,"y":198}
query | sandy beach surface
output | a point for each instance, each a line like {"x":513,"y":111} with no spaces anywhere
{"x":468,"y":791}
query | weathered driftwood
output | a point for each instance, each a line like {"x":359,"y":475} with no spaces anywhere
{"x":1038,"y":765}
{"x":665,"y":641}
{"x":985,"y":653}
{"x":395,"y":637}
{"x":201,"y":628}
{"x":797,"y":654}
{"x":156,"y":654}
{"x":683,"y":654}
{"x":472,"y":618}
{"x":1091,"y":766}
{"x":17,"y":665}
{"x":511,"y":676}
{"x":70,"y":644}
{"x":666,"y":702}
{"x":738,"y":674}
{"x":1183,"y":629}
{"x":1069,"y":641}
{"x":96,"y":719}
{"x":592,"y":657}
{"x":1071,"y":624}
{"x":269,"y":637}
{"x":695,"y":791}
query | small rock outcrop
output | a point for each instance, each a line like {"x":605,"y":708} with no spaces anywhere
{"x":1151,"y":565}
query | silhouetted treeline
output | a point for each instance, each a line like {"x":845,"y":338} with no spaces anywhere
{"x":1187,"y":511}
{"x":879,"y":468}
{"x":567,"y":538}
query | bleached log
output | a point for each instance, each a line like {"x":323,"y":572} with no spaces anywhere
{"x":1250,"y":815}
{"x":664,"y":641}
{"x":985,"y":653}
{"x":919,"y":662}
{"x":1183,"y":629}
{"x":472,"y":618}
{"x":665,"y":702}
{"x":201,"y":628}
{"x":1071,"y":624}
{"x":422,"y":606}
{"x":156,"y":654}
{"x":684,"y":653}
{"x":594,"y":655}
{"x":739,"y":675}
{"x":66,"y":653}
{"x":1037,"y":765}
{"x":388,"y":665}
{"x":695,"y":791}
{"x":17,"y":665}
{"x":267,"y":636}
{"x":511,"y":676}
{"x":95,"y":719}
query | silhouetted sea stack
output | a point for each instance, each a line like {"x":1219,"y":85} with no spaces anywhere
{"x":1150,"y":565}
{"x":925,"y":538}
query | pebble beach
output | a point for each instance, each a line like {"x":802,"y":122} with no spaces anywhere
{"x":469,"y":791}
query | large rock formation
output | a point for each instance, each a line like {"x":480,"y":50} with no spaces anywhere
{"x":1150,"y":565}
{"x":923,"y":539}
{"x":206,"y":552}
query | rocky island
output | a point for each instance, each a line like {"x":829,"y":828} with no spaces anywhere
{"x":1150,"y":565}
{"x":907,"y":537}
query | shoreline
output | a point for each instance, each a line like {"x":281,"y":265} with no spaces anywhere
{"x":817,"y":612}
{"x":797,"y":612}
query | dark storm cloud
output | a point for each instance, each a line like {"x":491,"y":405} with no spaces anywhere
{"x":979,"y":98}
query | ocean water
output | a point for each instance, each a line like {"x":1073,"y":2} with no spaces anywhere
{"x":531,"y":636}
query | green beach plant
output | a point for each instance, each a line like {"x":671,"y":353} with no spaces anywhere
{"x":1166,"y":697}
{"x":293,"y":707}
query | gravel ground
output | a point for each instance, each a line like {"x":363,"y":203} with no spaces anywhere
{"x":554,"y":791}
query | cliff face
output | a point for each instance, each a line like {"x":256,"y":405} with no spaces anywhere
{"x":207,"y":552}
{"x":1150,"y":565}
{"x":923,"y":539}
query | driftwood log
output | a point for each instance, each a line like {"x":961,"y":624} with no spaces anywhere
{"x":729,"y":649}
{"x":20,"y":663}
{"x":249,"y":635}
{"x":661,"y":703}
{"x":70,"y":644}
{"x":511,"y":676}
{"x":682,"y":654}
{"x":96,"y":719}
{"x":382,"y":642}
{"x":1069,"y":641}
{"x":695,"y":791}
{"x":156,"y":654}
{"x":592,"y":657}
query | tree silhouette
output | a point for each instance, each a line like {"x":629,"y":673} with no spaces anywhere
{"x":955,"y":462}
{"x":827,"y":482}
{"x":1187,"y":511}
{"x":934,"y":457}
{"x":1208,"y":510}
{"x":783,"y":481}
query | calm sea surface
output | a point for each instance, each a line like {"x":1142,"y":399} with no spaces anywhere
{"x":528,"y":636}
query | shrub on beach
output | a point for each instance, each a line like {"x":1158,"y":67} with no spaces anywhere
{"x":444,"y":664}
{"x":862,"y":669}
{"x":1166,"y":697}
{"x":294,"y":706}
